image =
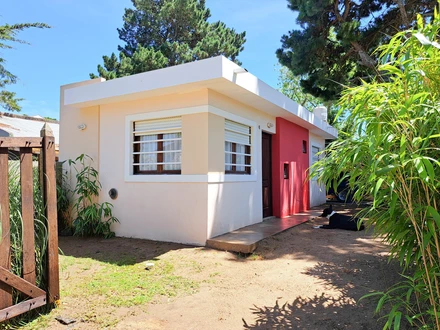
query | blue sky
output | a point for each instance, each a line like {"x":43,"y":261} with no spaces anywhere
{"x":84,"y":30}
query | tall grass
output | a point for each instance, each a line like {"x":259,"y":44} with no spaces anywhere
{"x":17,"y":226}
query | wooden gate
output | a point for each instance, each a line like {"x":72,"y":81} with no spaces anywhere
{"x":26,"y":283}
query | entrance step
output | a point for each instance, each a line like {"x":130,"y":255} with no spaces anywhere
{"x":245,"y":240}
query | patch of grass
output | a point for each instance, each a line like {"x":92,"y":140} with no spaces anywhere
{"x":102,"y":287}
{"x":255,"y":256}
{"x":124,"y":284}
{"x":196,"y":266}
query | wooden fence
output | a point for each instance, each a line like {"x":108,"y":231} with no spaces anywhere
{"x":26,"y":283}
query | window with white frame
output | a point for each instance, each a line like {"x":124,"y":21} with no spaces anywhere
{"x":238,"y":145}
{"x":157,"y":146}
{"x":315,"y":158}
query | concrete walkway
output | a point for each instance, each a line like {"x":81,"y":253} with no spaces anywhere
{"x":245,"y":239}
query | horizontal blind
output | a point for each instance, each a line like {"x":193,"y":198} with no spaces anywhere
{"x":163,"y":125}
{"x":237,"y":133}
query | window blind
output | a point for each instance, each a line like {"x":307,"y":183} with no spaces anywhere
{"x":237,"y":133}
{"x":163,"y":125}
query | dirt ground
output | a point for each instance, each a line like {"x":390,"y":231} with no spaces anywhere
{"x":303,"y":278}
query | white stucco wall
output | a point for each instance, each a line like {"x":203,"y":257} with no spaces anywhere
{"x":317,"y":191}
{"x":200,"y":203}
{"x":235,"y":204}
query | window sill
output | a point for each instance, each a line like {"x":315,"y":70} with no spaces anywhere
{"x":209,"y":178}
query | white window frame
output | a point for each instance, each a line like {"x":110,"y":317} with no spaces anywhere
{"x":157,"y":128}
{"x":238,"y":134}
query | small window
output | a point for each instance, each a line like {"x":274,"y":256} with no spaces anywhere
{"x":157,"y":146}
{"x":304,"y":146}
{"x":315,"y":154}
{"x":315,"y":158}
{"x":237,"y":148}
{"x":286,"y":171}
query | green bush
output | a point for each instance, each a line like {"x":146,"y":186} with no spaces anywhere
{"x":391,"y":152}
{"x":91,"y":218}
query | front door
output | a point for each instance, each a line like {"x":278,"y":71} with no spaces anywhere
{"x":266,"y":158}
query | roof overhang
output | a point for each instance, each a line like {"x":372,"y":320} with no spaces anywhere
{"x":218,"y":74}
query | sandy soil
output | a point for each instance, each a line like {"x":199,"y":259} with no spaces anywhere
{"x":303,"y":278}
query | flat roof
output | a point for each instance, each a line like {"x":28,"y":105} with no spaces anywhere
{"x":217,"y":73}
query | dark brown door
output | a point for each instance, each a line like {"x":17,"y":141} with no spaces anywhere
{"x":266,"y":156}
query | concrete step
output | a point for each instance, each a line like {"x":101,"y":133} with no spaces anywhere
{"x":245,"y":240}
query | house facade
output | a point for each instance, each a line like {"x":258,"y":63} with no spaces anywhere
{"x":195,"y":150}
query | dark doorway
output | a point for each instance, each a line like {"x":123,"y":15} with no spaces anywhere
{"x":266,"y":159}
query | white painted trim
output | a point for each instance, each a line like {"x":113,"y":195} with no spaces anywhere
{"x":167,"y":178}
{"x":222,"y":177}
{"x":193,"y":178}
{"x":210,"y":177}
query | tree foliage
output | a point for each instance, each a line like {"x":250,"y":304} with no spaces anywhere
{"x":8,"y":35}
{"x":333,"y":46}
{"x":290,"y":85}
{"x":162,"y":33}
{"x":392,"y":153}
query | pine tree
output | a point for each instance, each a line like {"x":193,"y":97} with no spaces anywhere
{"x":162,"y":33}
{"x":335,"y":43}
{"x":8,"y":99}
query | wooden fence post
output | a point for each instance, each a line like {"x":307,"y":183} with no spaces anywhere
{"x":5,"y":234}
{"x":50,"y":196}
{"x":27,"y":213}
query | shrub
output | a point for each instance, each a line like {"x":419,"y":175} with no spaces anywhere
{"x":92,"y":218}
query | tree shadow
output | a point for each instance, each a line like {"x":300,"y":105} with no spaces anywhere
{"x":118,"y":250}
{"x":351,"y":280}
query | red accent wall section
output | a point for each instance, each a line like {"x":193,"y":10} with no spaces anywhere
{"x":290,"y":195}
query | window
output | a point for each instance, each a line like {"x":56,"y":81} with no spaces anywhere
{"x":304,"y":146}
{"x":157,"y":146}
{"x":237,"y":148}
{"x":315,"y":158}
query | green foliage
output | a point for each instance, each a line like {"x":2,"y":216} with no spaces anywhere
{"x":92,"y":218}
{"x":163,"y":33}
{"x":290,"y":85}
{"x":16,"y":223}
{"x":392,"y":153}
{"x":8,"y":34}
{"x":336,"y":37}
{"x":64,"y":207}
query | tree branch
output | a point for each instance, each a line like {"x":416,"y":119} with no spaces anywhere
{"x":403,"y":14}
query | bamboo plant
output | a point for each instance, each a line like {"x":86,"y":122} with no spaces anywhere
{"x":391,"y":152}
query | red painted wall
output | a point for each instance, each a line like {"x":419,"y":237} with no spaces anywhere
{"x":290,"y":195}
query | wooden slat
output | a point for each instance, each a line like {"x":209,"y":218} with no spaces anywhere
{"x":48,"y":150}
{"x":20,"y":284}
{"x":5,"y":238}
{"x":27,"y":213}
{"x":22,"y":307}
{"x":21,"y":142}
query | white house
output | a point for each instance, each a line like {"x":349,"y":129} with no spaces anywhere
{"x":194,"y":150}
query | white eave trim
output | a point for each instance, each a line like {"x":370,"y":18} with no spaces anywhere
{"x":216,"y":73}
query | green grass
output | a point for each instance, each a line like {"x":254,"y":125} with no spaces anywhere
{"x":123,"y":284}
{"x":104,"y":287}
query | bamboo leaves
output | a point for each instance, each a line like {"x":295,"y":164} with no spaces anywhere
{"x":392,"y":155}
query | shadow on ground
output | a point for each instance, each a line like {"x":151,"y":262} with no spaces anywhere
{"x":331,"y":312}
{"x":117,"y":250}
{"x":349,"y":263}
